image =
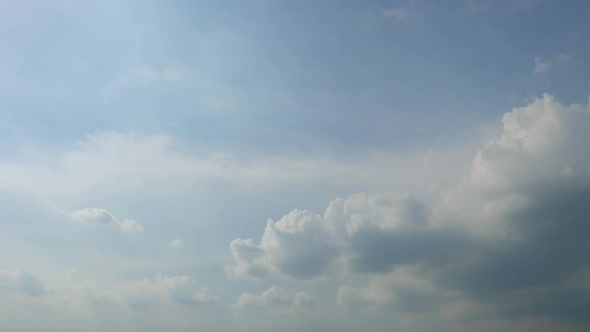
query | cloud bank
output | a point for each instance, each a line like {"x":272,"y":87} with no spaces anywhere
{"x":511,"y":235}
{"x":505,"y":241}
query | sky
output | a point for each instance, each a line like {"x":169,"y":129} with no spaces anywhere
{"x":304,"y":165}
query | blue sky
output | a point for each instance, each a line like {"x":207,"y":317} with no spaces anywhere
{"x":346,"y":72}
{"x":145,"y":145}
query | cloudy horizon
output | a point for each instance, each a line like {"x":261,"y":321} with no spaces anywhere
{"x":299,"y":166}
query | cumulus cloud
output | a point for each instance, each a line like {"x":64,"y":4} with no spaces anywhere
{"x":298,"y":245}
{"x":274,"y":297}
{"x":531,"y":186}
{"x":369,"y":233}
{"x":513,"y":229}
{"x":181,"y":290}
{"x":103,"y":217}
{"x":22,"y":281}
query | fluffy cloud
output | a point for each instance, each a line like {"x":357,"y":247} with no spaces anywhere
{"x":103,"y":217}
{"x":181,"y":290}
{"x":274,"y":297}
{"x":298,"y":245}
{"x":22,"y":281}
{"x":512,"y":230}
{"x":369,"y":233}
{"x":531,"y":187}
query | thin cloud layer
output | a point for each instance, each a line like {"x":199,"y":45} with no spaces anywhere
{"x":22,"y":281}
{"x":274,"y":297}
{"x":181,"y":290}
{"x":544,"y":65}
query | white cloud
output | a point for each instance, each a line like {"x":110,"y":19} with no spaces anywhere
{"x":525,"y":197}
{"x":367,"y":232}
{"x":298,"y":245}
{"x":541,"y":142}
{"x":134,"y":164}
{"x":176,"y":244}
{"x":102,"y":216}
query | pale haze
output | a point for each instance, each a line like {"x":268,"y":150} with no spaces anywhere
{"x":175,"y":166}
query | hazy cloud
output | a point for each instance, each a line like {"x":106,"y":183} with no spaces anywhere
{"x":181,"y":290}
{"x":176,"y":244}
{"x":274,"y":297}
{"x":22,"y":281}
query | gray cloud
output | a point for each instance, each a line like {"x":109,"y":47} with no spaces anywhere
{"x":298,"y":245}
{"x":509,"y":234}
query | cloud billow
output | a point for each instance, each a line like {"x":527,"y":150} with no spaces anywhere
{"x":513,"y":230}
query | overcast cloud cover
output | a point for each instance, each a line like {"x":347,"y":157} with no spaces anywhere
{"x":294,"y":166}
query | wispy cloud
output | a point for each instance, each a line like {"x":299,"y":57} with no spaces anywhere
{"x":103,"y":217}
{"x":546,"y":64}
{"x":274,"y":298}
